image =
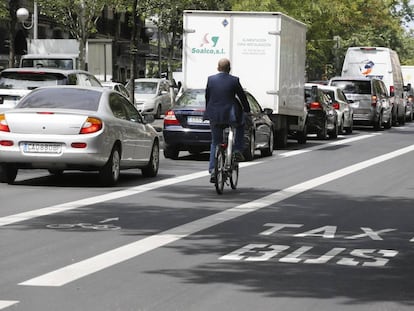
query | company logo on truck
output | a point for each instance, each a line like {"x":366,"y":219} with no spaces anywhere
{"x":366,"y":67}
{"x":208,"y":45}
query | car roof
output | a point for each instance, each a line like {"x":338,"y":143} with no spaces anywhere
{"x":149,"y":79}
{"x":357,"y":78}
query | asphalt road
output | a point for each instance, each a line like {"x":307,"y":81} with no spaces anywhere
{"x":324,"y":226}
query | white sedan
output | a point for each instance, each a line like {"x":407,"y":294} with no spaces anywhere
{"x":77,"y":128}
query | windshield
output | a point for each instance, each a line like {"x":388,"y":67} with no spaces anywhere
{"x":63,"y":63}
{"x":146,"y":87}
{"x":353,"y":87}
{"x":193,"y":98}
{"x":69,"y":98}
{"x":30,"y":80}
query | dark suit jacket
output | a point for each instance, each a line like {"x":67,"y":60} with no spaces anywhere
{"x":222,"y":106}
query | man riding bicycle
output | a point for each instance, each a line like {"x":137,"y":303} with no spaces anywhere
{"x":224,"y":109}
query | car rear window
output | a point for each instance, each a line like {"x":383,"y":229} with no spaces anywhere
{"x":193,"y":98}
{"x":69,"y":98}
{"x":353,"y":86}
{"x":30,"y":79}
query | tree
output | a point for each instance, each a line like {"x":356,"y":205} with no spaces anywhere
{"x":79,"y":17}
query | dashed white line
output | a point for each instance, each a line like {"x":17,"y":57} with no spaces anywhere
{"x":94,"y":264}
{"x":7,"y":303}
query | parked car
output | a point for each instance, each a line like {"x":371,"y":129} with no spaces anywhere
{"x":342,"y":106}
{"x":185,"y":129}
{"x":76,"y":128}
{"x":321,"y":116}
{"x":152,"y":95}
{"x":119,"y":87}
{"x":15,"y":83}
{"x":409,"y":98}
{"x":370,"y":100}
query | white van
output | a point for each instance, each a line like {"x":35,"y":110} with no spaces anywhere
{"x":382,"y":63}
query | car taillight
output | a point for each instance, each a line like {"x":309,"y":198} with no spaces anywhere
{"x":374,"y":101}
{"x":78,"y":145}
{"x":392,"y":90}
{"x":170,"y":118}
{"x":336,"y":105}
{"x":6,"y":143}
{"x":315,"y":106}
{"x":3,"y":124}
{"x":91,"y":125}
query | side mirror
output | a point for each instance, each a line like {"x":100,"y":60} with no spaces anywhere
{"x":267,"y":111}
{"x":148,"y":118}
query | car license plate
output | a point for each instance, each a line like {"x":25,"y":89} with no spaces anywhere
{"x":197,"y":120}
{"x":42,"y":148}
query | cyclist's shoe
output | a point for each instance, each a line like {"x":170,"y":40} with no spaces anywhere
{"x":213,"y":178}
{"x":238,"y":156}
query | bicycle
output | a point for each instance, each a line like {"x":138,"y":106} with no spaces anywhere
{"x":226,"y":168}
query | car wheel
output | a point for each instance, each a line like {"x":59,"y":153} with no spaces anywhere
{"x":151,"y":169}
{"x":341,"y":127}
{"x":267,"y":152}
{"x":334,"y":133}
{"x":249,"y":152}
{"x":378,"y":124}
{"x":171,"y":152}
{"x":8,"y":173}
{"x":158,"y":112}
{"x":401,"y":120}
{"x":350,"y":128}
{"x":303,"y":135}
{"x":323,"y":132}
{"x":109,"y":174}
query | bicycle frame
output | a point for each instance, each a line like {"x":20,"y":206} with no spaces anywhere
{"x":226,"y":168}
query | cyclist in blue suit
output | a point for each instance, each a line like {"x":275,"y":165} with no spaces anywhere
{"x":224,"y":109}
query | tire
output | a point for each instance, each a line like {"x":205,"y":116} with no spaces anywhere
{"x":249,"y":152}
{"x":151,"y":170}
{"x":281,"y":138}
{"x":109,"y":174}
{"x":8,"y":173}
{"x":219,"y":170}
{"x":234,"y":177}
{"x":323,"y":132}
{"x":267,"y":152}
{"x":378,"y":124}
{"x":158,"y":112}
{"x":349,"y":129}
{"x":334,"y":133}
{"x":171,"y":152}
{"x":302,"y":135}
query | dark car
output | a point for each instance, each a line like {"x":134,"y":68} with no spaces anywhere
{"x":321,"y":115}
{"x":185,"y":129}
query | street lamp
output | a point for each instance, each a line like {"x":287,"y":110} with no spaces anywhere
{"x":23,"y":14}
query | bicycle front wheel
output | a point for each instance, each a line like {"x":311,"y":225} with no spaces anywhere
{"x":234,"y":176}
{"x":219,"y":170}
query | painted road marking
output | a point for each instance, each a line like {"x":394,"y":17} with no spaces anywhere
{"x":102,"y":261}
{"x":322,"y":146}
{"x":7,"y":303}
{"x":8,"y":220}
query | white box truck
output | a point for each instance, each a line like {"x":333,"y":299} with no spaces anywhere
{"x":383,"y":63}
{"x":267,"y":52}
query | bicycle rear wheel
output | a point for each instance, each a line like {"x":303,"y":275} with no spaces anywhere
{"x":234,"y":176}
{"x":219,"y":170}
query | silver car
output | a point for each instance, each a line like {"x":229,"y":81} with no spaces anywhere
{"x":342,"y":106}
{"x":77,"y":128}
{"x":15,"y":83}
{"x":369,"y":98}
{"x":152,"y":95}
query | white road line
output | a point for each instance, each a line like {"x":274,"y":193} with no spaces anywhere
{"x":94,"y":264}
{"x":7,"y":303}
{"x":8,"y":220}
{"x":322,"y":146}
